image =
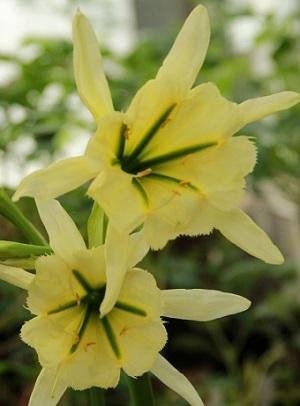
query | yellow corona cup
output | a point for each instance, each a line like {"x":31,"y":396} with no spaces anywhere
{"x":169,"y":162}
{"x":78,"y":344}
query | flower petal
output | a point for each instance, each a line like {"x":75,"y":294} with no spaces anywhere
{"x":58,"y":178}
{"x":90,"y":79}
{"x":52,"y":336}
{"x":116,"y":248}
{"x":201,"y":304}
{"x":64,"y":237}
{"x":122,"y":252}
{"x":92,"y":364}
{"x":137,"y":248}
{"x":123,"y":204}
{"x":53,"y":285}
{"x":48,"y":388}
{"x":204,"y":116}
{"x":242,"y":231}
{"x":255,"y":109}
{"x":176,"y":381}
{"x":140,"y":346}
{"x":16,"y":276}
{"x":150,"y":108}
{"x":189,"y":49}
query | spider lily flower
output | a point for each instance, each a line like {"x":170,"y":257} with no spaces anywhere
{"x":77,"y":344}
{"x":169,"y":162}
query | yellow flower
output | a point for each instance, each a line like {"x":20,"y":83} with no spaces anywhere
{"x":80,"y":347}
{"x":170,"y":161}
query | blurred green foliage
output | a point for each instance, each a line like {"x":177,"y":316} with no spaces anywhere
{"x":248,"y":359}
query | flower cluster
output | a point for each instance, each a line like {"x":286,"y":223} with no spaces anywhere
{"x":167,"y":166}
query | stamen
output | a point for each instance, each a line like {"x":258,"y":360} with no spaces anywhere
{"x":78,"y":300}
{"x":130,"y":308}
{"x":126,"y":134}
{"x":176,"y":192}
{"x":88,"y":344}
{"x":111,"y":336}
{"x":184,"y":183}
{"x":143,"y":173}
{"x":172,"y":179}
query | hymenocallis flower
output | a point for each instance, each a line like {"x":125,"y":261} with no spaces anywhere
{"x":169,"y":162}
{"x":77,"y":344}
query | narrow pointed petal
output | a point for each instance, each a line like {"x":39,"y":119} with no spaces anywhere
{"x":116,"y":257}
{"x":108,"y":188}
{"x":137,"y":248}
{"x":201,"y":304}
{"x":188,"y":51}
{"x":64,"y":237}
{"x":243,"y":232}
{"x":16,"y":276}
{"x":90,"y":79}
{"x":175,"y":380}
{"x":48,"y":388}
{"x":57,"y":179}
{"x":255,"y":109}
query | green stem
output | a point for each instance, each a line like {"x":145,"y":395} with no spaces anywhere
{"x":9,"y":210}
{"x":140,"y":390}
{"x":96,"y":397}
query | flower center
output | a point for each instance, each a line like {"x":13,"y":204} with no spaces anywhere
{"x":133,"y":163}
{"x":94,"y":298}
{"x":91,"y":301}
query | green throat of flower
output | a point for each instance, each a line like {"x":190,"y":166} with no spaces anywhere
{"x":91,"y":302}
{"x":133,"y":163}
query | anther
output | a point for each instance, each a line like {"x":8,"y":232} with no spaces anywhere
{"x":184,"y":183}
{"x":88,"y":344}
{"x":124,"y":330}
{"x":143,"y":173}
{"x":165,"y":123}
{"x":176,"y":192}
{"x":78,"y":300}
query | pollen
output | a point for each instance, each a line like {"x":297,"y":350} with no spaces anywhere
{"x":176,"y":192}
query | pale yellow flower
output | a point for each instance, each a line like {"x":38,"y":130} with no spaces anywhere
{"x":77,"y":345}
{"x":170,"y":161}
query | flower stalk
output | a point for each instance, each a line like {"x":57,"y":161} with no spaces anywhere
{"x":11,"y":212}
{"x":140,"y":390}
{"x":96,"y":397}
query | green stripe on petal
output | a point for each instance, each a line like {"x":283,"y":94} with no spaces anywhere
{"x":111,"y":336}
{"x":136,"y":167}
{"x":130,"y":309}
{"x":138,"y":186}
{"x":82,"y":329}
